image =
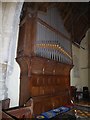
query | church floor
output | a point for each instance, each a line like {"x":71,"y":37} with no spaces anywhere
{"x":83,"y":103}
{"x":81,"y":111}
{"x":74,"y":114}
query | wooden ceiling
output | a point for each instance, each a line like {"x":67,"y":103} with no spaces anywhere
{"x":75,"y":16}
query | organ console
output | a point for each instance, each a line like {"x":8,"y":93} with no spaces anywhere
{"x":45,"y":57}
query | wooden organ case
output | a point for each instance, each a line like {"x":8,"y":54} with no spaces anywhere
{"x":45,"y":58}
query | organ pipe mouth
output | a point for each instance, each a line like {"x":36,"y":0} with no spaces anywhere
{"x":55,"y":47}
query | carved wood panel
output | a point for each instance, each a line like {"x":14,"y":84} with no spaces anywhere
{"x":20,"y":113}
{"x":44,"y":76}
{"x":37,"y":83}
{"x":45,"y":103}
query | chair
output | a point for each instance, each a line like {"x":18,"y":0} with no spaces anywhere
{"x":85,"y":93}
{"x":73,"y":92}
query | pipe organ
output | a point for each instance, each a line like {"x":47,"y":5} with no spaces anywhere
{"x":45,"y":57}
{"x":51,"y":45}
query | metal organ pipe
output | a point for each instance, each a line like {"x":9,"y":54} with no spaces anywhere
{"x":50,"y":45}
{"x":52,"y":51}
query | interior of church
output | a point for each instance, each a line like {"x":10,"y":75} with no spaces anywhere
{"x":45,"y":61}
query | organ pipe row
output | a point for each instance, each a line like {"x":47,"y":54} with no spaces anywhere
{"x":49,"y":43}
{"x":53,"y":51}
{"x":54,"y":46}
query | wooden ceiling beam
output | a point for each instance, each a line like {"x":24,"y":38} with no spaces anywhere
{"x":75,"y":15}
{"x":68,"y":15}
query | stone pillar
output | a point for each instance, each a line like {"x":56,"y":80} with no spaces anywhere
{"x":0,"y":57}
{"x":3,"y":88}
{"x":10,"y":24}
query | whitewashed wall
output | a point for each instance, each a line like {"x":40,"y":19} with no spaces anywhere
{"x":79,"y":77}
{"x":88,"y":34}
{"x":75,"y":75}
